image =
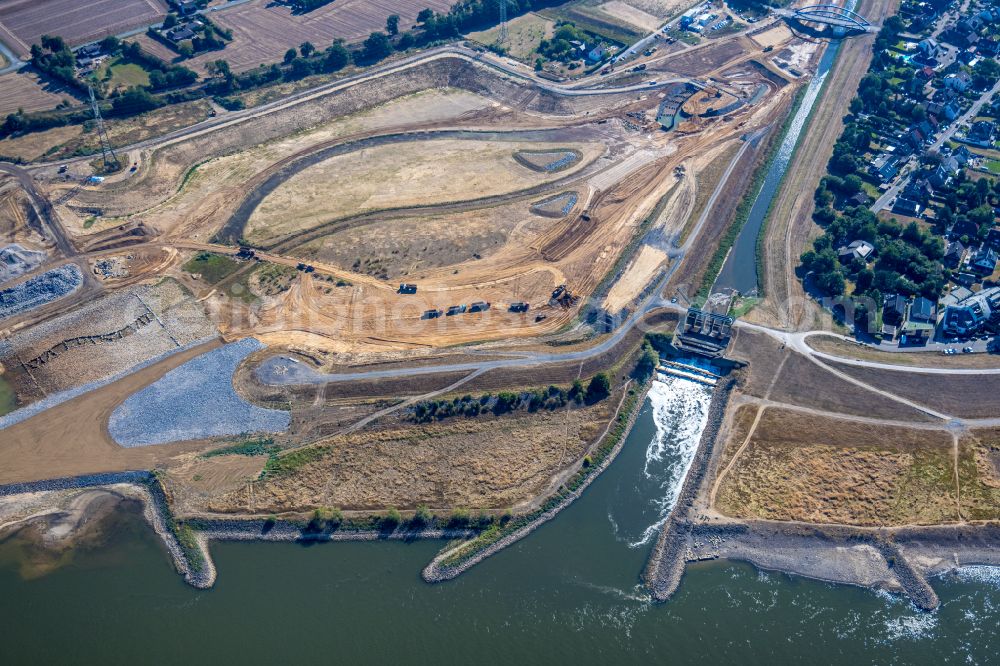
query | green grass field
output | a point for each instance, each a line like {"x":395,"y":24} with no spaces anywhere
{"x":122,"y":75}
{"x":212,"y":267}
{"x":8,"y":399}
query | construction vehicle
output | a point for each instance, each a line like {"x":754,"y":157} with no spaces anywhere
{"x":519,"y":306}
{"x":406,"y":288}
{"x":456,"y":309}
{"x":431,"y":314}
{"x":479,"y":306}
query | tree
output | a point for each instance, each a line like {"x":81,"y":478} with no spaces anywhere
{"x":186,"y":48}
{"x":425,"y":15}
{"x":377,"y":47}
{"x":647,"y":362}
{"x":133,"y":101}
{"x":392,"y":25}
{"x":336,"y":58}
{"x":170,"y":21}
{"x":306,"y":49}
{"x":598,"y":388}
{"x":290,"y":55}
{"x":390,"y":520}
{"x":422,"y":516}
{"x":110,"y":45}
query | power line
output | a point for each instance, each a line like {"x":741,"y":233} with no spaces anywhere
{"x":502,"y":37}
{"x":102,"y":133}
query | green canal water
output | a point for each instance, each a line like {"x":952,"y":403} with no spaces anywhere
{"x":567,"y":594}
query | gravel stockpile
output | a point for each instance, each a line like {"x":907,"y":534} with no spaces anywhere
{"x":40,"y":290}
{"x":194,"y":401}
{"x":16,"y":261}
{"x":182,"y":317}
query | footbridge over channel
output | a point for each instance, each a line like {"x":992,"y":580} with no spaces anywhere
{"x":839,"y":18}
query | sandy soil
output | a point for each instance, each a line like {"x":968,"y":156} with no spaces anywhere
{"x":852,"y":350}
{"x":398,"y":176}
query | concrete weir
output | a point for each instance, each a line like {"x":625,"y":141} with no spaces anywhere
{"x":666,"y":563}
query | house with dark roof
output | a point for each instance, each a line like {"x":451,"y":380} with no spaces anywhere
{"x":885,"y":167}
{"x":969,"y":316}
{"x":993,"y":238}
{"x":984,"y":261}
{"x":906,"y":206}
{"x":858,"y":249}
{"x":960,"y":81}
{"x":954,"y":255}
{"x":981,"y":133}
{"x":894,"y":309}
{"x":923,"y":310}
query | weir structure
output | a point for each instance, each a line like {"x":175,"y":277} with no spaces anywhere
{"x":831,"y":15}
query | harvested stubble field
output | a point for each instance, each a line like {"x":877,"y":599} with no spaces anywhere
{"x":483,"y":462}
{"x":823,"y":470}
{"x":194,"y":402}
{"x":26,"y":90}
{"x":174,"y":321}
{"x":36,"y":145}
{"x":397,"y":176}
{"x":264,"y":30}
{"x":23,"y":22}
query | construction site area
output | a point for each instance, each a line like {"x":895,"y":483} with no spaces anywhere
{"x":429,"y":284}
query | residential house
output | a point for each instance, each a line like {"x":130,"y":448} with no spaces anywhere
{"x":981,"y":133}
{"x":993,"y":238}
{"x":180,"y":33}
{"x":885,"y":167}
{"x":946,"y":110}
{"x":894,"y":309}
{"x":918,"y":189}
{"x":929,"y":48}
{"x":972,"y":314}
{"x":858,"y":249}
{"x":959,"y":81}
{"x":984,"y":261}
{"x":597,"y":53}
{"x":943,"y":172}
{"x":907,"y":206}
{"x":964,"y":227}
{"x":923,"y":310}
{"x":963,"y":156}
{"x":954,"y":255}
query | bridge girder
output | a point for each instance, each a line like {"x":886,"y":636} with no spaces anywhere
{"x":832,"y":15}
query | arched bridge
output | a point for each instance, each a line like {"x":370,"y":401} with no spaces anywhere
{"x":832,"y":15}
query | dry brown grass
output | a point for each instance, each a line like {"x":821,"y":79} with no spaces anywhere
{"x":483,"y":462}
{"x":26,"y":90}
{"x":964,"y":396}
{"x":840,"y":347}
{"x":815,"y":469}
{"x":979,"y":474}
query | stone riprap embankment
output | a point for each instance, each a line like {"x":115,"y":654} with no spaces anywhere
{"x":666,"y":562}
{"x":40,"y":290}
{"x":195,"y":401}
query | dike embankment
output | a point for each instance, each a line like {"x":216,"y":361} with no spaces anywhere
{"x":666,"y":563}
{"x":445,"y":567}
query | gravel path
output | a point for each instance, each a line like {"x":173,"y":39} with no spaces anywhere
{"x":194,"y":401}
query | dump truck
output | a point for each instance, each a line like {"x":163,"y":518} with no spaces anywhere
{"x":519,"y":306}
{"x":406,"y":288}
{"x":479,"y":306}
{"x":456,"y":309}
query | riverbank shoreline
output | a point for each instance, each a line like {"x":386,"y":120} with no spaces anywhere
{"x":438,"y":571}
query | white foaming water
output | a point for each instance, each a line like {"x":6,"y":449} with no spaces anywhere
{"x":979,"y":573}
{"x":680,"y":412}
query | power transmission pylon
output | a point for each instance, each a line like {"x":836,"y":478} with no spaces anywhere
{"x":102,"y":134}
{"x":502,"y":37}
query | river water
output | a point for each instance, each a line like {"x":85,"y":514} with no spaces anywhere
{"x":739,"y":272}
{"x":567,"y":593}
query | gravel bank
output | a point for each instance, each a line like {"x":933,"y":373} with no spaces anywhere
{"x":195,"y":401}
{"x":40,"y":290}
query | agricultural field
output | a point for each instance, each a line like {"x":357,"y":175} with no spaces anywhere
{"x":30,"y":92}
{"x":263,"y":31}
{"x":23,"y":22}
